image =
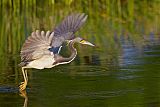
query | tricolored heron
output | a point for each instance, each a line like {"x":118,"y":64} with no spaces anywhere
{"x":41,"y":49}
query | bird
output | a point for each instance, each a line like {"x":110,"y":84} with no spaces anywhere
{"x":42,"y":49}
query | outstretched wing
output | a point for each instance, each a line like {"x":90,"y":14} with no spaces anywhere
{"x":36,"y":45}
{"x":67,"y":28}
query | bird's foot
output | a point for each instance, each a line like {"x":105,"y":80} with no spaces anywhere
{"x":22,"y":86}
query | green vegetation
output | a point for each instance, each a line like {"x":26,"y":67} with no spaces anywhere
{"x":108,"y":22}
{"x":106,"y":17}
{"x":122,"y":71}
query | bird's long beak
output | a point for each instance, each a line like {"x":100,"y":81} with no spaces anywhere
{"x":86,"y":43}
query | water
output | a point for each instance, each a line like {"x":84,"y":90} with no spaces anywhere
{"x":121,"y":71}
{"x":134,"y":80}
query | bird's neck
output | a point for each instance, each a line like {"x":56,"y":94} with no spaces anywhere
{"x":73,"y":51}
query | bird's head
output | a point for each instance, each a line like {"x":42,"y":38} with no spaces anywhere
{"x":83,"y":41}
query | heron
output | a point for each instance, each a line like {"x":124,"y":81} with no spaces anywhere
{"x":42,"y":49}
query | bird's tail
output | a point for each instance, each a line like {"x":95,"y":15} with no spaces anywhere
{"x":22,"y":64}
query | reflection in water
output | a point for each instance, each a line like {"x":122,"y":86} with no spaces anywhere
{"x":5,"y":100}
{"x":24,"y":95}
{"x":135,"y":76}
{"x":123,"y":71}
{"x":8,"y":89}
{"x":86,"y":60}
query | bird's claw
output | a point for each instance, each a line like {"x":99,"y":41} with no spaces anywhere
{"x":22,"y":86}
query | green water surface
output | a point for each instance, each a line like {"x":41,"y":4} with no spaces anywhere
{"x":123,"y":70}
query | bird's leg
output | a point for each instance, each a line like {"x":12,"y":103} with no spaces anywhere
{"x":26,"y":75}
{"x":24,"y":84}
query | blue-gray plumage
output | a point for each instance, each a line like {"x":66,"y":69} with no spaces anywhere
{"x":41,"y":49}
{"x":55,"y":50}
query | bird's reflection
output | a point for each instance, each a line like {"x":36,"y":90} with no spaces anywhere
{"x":24,"y":95}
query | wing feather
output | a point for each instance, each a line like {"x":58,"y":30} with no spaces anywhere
{"x":36,"y":45}
{"x":68,"y":27}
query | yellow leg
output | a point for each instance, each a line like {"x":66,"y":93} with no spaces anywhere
{"x":26,"y":75}
{"x":24,"y":84}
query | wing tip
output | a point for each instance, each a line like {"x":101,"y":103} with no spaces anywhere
{"x":71,"y":23}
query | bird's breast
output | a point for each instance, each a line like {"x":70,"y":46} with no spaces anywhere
{"x":44,"y":62}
